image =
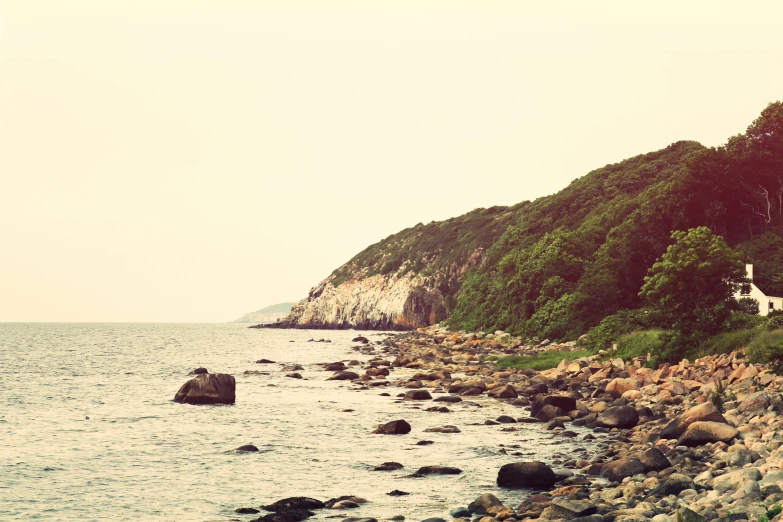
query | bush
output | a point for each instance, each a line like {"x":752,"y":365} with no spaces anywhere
{"x":639,"y":344}
{"x":727,"y":342}
{"x":743,"y":321}
{"x":767,"y":347}
{"x":623,"y":322}
{"x":775,"y":323}
{"x":748,"y":305}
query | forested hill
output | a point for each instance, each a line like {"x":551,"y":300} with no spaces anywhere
{"x":556,"y":266}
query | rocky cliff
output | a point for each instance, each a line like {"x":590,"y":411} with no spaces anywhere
{"x":269,"y":314}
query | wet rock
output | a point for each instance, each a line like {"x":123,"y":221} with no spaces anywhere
{"x":438,"y":470}
{"x":388,"y":466}
{"x":417,"y":395}
{"x":292,"y":368}
{"x":247,"y":447}
{"x":397,"y":427}
{"x":482,"y":503}
{"x":623,"y":417}
{"x":295,"y":503}
{"x":526,"y":475}
{"x":448,"y":398}
{"x":700,"y":433}
{"x":294,"y":375}
{"x":334,"y":367}
{"x":425,"y":442}
{"x":246,"y":511}
{"x":626,"y":467}
{"x":289,"y":515}
{"x":673,"y":485}
{"x":397,"y":493}
{"x":506,"y":419}
{"x":345,"y":502}
{"x":563,"y":402}
{"x":343,"y":376}
{"x":443,"y":429}
{"x":265,"y":361}
{"x":208,"y":388}
{"x":360,"y":339}
{"x":460,"y":513}
{"x":199,"y":371}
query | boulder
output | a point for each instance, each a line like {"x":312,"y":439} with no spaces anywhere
{"x":620,"y":386}
{"x":247,"y":447}
{"x":619,"y":469}
{"x":289,"y":503}
{"x":623,"y":417}
{"x":548,"y":412}
{"x":343,"y":376}
{"x":484,"y":502}
{"x":397,"y":427}
{"x":448,"y":398}
{"x":654,"y":460}
{"x":199,"y":371}
{"x":568,"y":509}
{"x":443,"y":429}
{"x":334,"y":367}
{"x":264,"y":361}
{"x":706,"y":412}
{"x":562,"y":402}
{"x":294,"y":375}
{"x":700,"y":433}
{"x":526,"y":475}
{"x":289,"y":515}
{"x":674,"y":484}
{"x":438,"y":470}
{"x":417,"y":395}
{"x":503,"y":392}
{"x":733,"y":480}
{"x":388,"y":466}
{"x":360,"y":339}
{"x":208,"y":388}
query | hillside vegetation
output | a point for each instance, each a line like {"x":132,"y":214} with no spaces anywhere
{"x":563,"y":264}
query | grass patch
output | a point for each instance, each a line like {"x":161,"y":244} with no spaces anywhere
{"x":727,"y":342}
{"x":639,"y":344}
{"x":542,"y":361}
{"x":767,"y":347}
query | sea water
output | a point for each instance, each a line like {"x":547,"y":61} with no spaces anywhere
{"x":89,"y":431}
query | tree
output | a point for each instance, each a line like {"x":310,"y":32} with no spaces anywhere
{"x":693,"y":286}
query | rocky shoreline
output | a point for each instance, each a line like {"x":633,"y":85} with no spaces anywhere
{"x":696,"y":441}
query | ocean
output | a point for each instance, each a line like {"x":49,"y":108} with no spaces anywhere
{"x":89,"y":431}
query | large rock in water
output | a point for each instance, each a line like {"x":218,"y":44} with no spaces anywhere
{"x":212,"y":388}
{"x":619,"y":469}
{"x":700,"y":433}
{"x":398,"y":427}
{"x":526,"y":475}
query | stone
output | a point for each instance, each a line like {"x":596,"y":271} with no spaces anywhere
{"x":294,"y":375}
{"x":503,"y":392}
{"x":208,"y":388}
{"x":620,"y":386}
{"x":246,"y":511}
{"x":448,"y":398}
{"x":295,"y":503}
{"x":247,"y":447}
{"x":199,"y":371}
{"x":289,"y":515}
{"x":518,"y":475}
{"x":568,"y":509}
{"x":706,"y":412}
{"x":360,"y":339}
{"x":417,"y":395}
{"x":264,"y":361}
{"x":343,"y":376}
{"x":654,"y":460}
{"x":397,"y":493}
{"x":674,"y":484}
{"x":623,"y":417}
{"x":733,"y":480}
{"x":438,"y":470}
{"x":506,"y":419}
{"x":397,"y":427}
{"x":700,"y":433}
{"x":388,"y":466}
{"x":443,"y":429}
{"x":563,"y":402}
{"x":482,"y":503}
{"x":626,"y":467}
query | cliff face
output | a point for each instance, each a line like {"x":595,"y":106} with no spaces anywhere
{"x":373,"y":303}
{"x":270,"y":314}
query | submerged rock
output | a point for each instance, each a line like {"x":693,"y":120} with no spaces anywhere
{"x":397,"y":427}
{"x":438,"y":470}
{"x":247,"y":447}
{"x":388,"y":466}
{"x":295,"y":503}
{"x":208,"y":388}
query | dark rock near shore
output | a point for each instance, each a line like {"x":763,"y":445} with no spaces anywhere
{"x":654,"y":460}
{"x":619,"y":469}
{"x":289,"y":515}
{"x":443,"y":429}
{"x":517,"y":475}
{"x":388,"y":466}
{"x":246,"y":511}
{"x":417,"y":395}
{"x":397,"y":427}
{"x":623,"y":417}
{"x":247,"y":447}
{"x":699,"y":433}
{"x":360,"y":339}
{"x":438,"y":470}
{"x":199,"y":371}
{"x":295,"y":503}
{"x":264,"y":361}
{"x":208,"y":388}
{"x":482,"y":503}
{"x":397,"y":493}
{"x":448,"y":398}
{"x":343,"y":376}
{"x":294,"y":375}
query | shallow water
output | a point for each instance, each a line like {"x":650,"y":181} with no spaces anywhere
{"x":88,"y":430}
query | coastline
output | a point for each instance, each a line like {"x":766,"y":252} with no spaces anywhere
{"x":664,"y":449}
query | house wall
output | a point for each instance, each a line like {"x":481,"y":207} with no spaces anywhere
{"x":763,"y":300}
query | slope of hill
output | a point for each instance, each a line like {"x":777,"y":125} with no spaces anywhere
{"x":558,"y":265}
{"x":270,"y":314}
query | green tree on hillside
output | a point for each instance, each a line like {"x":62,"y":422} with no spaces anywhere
{"x":693,"y":286}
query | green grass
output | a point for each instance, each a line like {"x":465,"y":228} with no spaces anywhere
{"x":542,"y":361}
{"x":728,"y":342}
{"x":639,"y":344}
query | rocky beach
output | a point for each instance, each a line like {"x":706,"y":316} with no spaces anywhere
{"x":696,"y":441}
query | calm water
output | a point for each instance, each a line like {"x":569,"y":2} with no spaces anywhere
{"x":88,"y":430}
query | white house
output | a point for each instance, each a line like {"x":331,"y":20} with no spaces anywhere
{"x":766,"y":303}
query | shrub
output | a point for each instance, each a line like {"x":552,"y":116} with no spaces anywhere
{"x":639,"y":344}
{"x":727,"y":342}
{"x":767,"y":347}
{"x":541,"y":361}
{"x":748,"y":305}
{"x":775,"y":322}
{"x":612,"y":327}
{"x":743,"y":321}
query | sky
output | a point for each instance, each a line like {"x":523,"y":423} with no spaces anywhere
{"x":192,"y":161}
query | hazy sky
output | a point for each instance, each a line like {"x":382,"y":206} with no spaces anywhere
{"x":194,"y":161}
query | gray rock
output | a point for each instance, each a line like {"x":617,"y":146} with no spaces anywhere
{"x":398,"y":427}
{"x":482,"y":503}
{"x":417,"y":395}
{"x":734,"y":479}
{"x":623,"y":417}
{"x":526,"y":475}
{"x":208,"y":388}
{"x":700,"y":433}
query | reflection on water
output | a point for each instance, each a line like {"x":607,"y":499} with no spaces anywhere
{"x":88,"y":430}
